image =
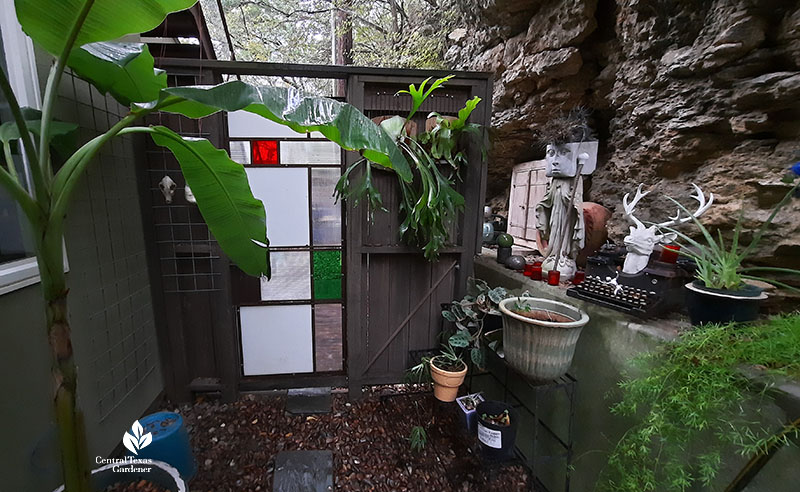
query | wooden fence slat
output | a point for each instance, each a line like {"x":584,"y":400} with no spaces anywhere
{"x":425,"y":298}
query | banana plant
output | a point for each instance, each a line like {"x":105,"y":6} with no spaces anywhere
{"x":79,"y":34}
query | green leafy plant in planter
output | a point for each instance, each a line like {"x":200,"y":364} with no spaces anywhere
{"x":719,"y":265}
{"x":694,"y":400}
{"x":720,"y":271}
{"x":79,"y":33}
{"x":429,"y":201}
{"x":469,"y":314}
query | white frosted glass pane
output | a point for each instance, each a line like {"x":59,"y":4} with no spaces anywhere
{"x":326,"y":215}
{"x":242,"y":124}
{"x":291,"y":277}
{"x":240,"y":151}
{"x":276,"y":339}
{"x":284,"y":192}
{"x":310,"y":152}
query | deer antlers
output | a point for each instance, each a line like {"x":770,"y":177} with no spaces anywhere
{"x":628,"y":207}
{"x":704,"y":204}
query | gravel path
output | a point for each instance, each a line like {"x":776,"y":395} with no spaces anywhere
{"x":235,"y":445}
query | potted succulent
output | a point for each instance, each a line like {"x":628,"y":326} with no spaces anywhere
{"x":540,"y":335}
{"x":468,"y":405}
{"x":497,"y":429}
{"x":720,"y":293}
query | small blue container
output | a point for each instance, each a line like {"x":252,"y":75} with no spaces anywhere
{"x":170,"y":442}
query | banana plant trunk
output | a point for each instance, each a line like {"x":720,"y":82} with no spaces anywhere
{"x":69,"y":419}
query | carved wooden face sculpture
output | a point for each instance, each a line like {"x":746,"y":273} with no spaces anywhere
{"x":561,"y":161}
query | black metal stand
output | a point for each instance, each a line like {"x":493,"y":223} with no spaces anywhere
{"x":503,"y":374}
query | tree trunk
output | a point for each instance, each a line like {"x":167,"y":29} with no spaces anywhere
{"x":343,"y":41}
{"x":71,"y":428}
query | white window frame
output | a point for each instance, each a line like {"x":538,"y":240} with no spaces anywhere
{"x":22,"y":74}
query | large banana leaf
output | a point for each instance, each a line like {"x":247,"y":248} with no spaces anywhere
{"x":123,"y":69}
{"x":233,"y":215}
{"x":49,"y":22}
{"x":340,"y":122}
{"x":62,"y":134}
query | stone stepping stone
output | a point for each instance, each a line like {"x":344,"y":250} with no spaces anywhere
{"x":306,"y":401}
{"x":303,"y":471}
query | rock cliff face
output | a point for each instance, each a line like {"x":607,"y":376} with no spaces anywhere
{"x":681,"y":91}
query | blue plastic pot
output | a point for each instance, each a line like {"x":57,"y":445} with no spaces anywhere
{"x":170,"y":442}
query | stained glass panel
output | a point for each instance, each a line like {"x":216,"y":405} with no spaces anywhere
{"x":328,"y":336}
{"x":265,"y":152}
{"x":326,"y":216}
{"x":310,"y":152}
{"x":276,"y":339}
{"x":240,"y":151}
{"x":327,"y":275}
{"x":291,"y":277}
{"x":284,"y":192}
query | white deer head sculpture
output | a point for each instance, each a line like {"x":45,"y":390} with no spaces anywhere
{"x":642,"y":240}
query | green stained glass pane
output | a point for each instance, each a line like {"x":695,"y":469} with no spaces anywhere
{"x":328,"y":274}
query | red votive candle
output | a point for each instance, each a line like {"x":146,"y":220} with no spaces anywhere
{"x":579,"y":277}
{"x":536,"y":272}
{"x":537,"y":263}
{"x":553,"y":277}
{"x":669,"y":253}
{"x":528,"y":270}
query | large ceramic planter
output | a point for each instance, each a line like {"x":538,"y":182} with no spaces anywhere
{"x":446,"y":383}
{"x":160,"y":474}
{"x":707,"y":305}
{"x":542,"y":350}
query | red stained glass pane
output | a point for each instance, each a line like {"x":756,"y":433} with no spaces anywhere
{"x":265,"y":152}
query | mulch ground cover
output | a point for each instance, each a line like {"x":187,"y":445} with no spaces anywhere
{"x":235,"y":445}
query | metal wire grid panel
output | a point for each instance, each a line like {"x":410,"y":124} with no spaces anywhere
{"x":107,"y":253}
{"x":188,"y":253}
{"x":513,"y":384}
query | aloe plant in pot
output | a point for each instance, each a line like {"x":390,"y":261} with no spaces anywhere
{"x":78,"y":34}
{"x":721,"y":293}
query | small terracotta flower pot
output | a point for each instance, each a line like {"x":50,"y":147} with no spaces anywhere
{"x":446,"y":383}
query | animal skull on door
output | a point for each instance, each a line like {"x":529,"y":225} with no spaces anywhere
{"x":187,"y":193}
{"x":167,"y":187}
{"x":642,"y":240}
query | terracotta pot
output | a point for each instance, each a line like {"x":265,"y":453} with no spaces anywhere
{"x":446,"y":383}
{"x":595,"y":219}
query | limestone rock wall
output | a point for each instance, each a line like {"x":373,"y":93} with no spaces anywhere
{"x":681,"y":91}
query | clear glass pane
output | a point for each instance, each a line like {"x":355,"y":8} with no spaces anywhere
{"x":284,"y":192}
{"x":291,"y":277}
{"x":327,"y":275}
{"x":276,"y":339}
{"x":326,"y":215}
{"x":328,"y":336}
{"x":240,"y":151}
{"x":310,"y":152}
